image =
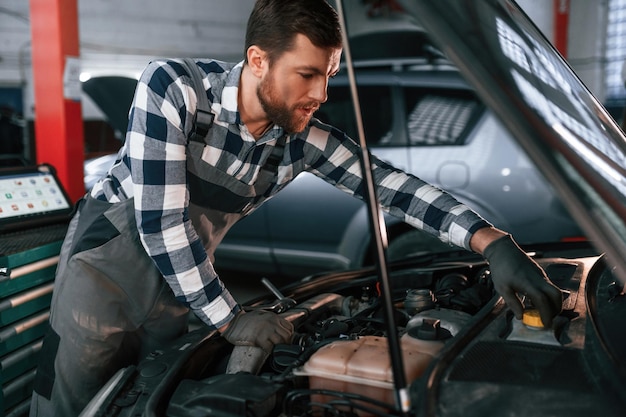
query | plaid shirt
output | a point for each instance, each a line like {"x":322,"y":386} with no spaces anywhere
{"x":154,"y":165}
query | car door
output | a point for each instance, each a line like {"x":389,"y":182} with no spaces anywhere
{"x":311,"y":222}
{"x":312,"y":226}
{"x":458,"y":145}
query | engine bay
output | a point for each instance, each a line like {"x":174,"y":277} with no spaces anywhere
{"x":339,"y":358}
{"x":338,"y":362}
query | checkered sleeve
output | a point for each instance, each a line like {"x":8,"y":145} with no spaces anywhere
{"x":337,"y":160}
{"x":156,"y":143}
{"x":424,"y":206}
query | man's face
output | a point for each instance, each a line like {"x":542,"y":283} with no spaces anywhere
{"x":296,"y":84}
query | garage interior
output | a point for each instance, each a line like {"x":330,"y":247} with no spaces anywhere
{"x":49,"y":48}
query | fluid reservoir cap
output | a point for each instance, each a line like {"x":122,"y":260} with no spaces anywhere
{"x":430,"y":329}
{"x":531,"y":318}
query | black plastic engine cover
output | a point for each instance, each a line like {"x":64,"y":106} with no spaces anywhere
{"x":227,"y":395}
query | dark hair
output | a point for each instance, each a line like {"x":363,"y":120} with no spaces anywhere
{"x":274,"y":24}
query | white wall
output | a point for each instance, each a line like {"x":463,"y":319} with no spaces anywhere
{"x":148,"y":28}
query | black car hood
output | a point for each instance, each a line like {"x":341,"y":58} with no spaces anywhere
{"x":531,"y":88}
{"x":113,"y":95}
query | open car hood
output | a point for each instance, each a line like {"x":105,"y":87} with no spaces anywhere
{"x":580,"y":149}
{"x":113,"y":95}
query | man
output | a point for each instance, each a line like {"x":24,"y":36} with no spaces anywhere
{"x":138,"y":251}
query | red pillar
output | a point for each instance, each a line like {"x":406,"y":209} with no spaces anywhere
{"x":561,"y":25}
{"x":58,"y":117}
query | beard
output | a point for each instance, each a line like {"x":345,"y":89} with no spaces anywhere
{"x":278,"y":111}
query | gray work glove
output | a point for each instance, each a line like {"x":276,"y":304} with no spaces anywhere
{"x":258,"y":328}
{"x":513,"y":272}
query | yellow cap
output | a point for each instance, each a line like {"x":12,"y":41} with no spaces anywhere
{"x":531,"y":318}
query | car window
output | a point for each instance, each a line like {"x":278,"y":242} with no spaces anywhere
{"x":376,"y":110}
{"x":439,"y":117}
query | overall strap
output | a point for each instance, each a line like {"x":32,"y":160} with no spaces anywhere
{"x":203,"y":118}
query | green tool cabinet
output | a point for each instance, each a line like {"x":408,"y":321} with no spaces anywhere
{"x":35,"y":213}
{"x":26,"y":281}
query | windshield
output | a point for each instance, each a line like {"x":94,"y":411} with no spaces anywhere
{"x":561,"y":125}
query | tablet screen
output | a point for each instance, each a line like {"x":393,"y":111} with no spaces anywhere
{"x":31,"y":196}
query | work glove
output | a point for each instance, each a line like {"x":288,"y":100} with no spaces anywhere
{"x":258,"y":328}
{"x":513,"y":272}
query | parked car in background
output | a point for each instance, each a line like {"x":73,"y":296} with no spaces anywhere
{"x":460,"y":348}
{"x":96,"y":168}
{"x":421,"y":116}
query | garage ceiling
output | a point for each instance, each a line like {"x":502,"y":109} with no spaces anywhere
{"x":121,"y":36}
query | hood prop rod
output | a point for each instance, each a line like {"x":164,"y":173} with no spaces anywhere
{"x":379,"y":232}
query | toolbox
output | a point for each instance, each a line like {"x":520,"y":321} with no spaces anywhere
{"x":34,"y":214}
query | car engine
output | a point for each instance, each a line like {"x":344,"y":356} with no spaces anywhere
{"x":339,"y":358}
{"x":457,"y":341}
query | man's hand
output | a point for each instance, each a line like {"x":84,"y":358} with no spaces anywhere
{"x":513,"y":272}
{"x":258,"y":328}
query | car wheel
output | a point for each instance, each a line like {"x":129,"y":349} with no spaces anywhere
{"x":414,"y":242}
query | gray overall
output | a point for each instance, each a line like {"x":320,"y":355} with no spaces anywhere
{"x":111,"y":306}
{"x":103,"y":315}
